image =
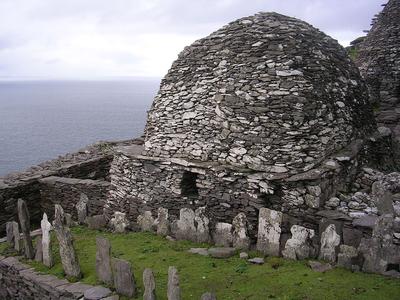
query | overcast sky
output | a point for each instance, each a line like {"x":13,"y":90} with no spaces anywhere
{"x":105,"y":38}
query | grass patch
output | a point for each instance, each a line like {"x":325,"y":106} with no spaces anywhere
{"x":231,"y":278}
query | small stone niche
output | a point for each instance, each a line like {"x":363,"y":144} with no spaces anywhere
{"x":188,"y":184}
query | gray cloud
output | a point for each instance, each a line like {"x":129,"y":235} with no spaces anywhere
{"x":78,"y":38}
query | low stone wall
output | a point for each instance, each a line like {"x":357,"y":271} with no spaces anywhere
{"x":19,"y":281}
{"x":67,"y":192}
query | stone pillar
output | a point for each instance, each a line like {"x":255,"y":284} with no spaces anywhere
{"x":39,"y":249}
{"x":162,"y":222}
{"x":146,"y":221}
{"x":124,"y":282}
{"x":185,"y":228}
{"x":46,"y":242}
{"x":16,"y":236}
{"x":241,"y":239}
{"x":202,"y":230}
{"x":330,"y":240}
{"x":103,"y":261}
{"x":269,"y":231}
{"x":82,"y":208}
{"x":24,"y":220}
{"x":149,"y":285}
{"x":10,"y":233}
{"x":67,"y":251}
{"x":299,"y":245}
{"x":174,"y":291}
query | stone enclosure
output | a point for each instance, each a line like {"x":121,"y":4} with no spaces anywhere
{"x":262,"y":135}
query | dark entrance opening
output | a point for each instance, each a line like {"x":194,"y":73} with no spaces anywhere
{"x":395,"y":267}
{"x":188,"y":184}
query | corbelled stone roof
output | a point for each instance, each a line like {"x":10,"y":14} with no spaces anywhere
{"x":379,"y":62}
{"x":266,"y":92}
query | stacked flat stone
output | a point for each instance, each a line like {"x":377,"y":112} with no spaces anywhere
{"x":379,"y":62}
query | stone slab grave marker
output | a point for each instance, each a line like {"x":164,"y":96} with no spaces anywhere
{"x":16,"y":236}
{"x":208,"y":296}
{"x":46,"y":242}
{"x":146,"y":221}
{"x":124,"y":281}
{"x":185,"y":227}
{"x":269,"y":231}
{"x":24,"y":220}
{"x":241,"y":239}
{"x":68,"y":256}
{"x":162,"y":222}
{"x":330,"y":240}
{"x":39,"y":249}
{"x":174,"y":291}
{"x":202,"y":229}
{"x":222,"y":234}
{"x":299,"y":245}
{"x":149,"y":285}
{"x":119,"y":222}
{"x":82,"y":208}
{"x":103,"y":260}
{"x":10,"y":233}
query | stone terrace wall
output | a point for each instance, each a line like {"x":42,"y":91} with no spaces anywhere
{"x":67,"y":192}
{"x":92,"y":162}
{"x":19,"y":281}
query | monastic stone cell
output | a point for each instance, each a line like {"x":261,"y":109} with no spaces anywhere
{"x":379,"y":63}
{"x":267,"y":92}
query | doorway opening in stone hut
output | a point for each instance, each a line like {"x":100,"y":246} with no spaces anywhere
{"x":188,"y":184}
{"x":395,"y":267}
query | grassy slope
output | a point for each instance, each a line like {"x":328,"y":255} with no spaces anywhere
{"x":230,"y":278}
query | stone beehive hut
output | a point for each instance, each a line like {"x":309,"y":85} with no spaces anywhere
{"x":261,"y":113}
{"x":379,"y":62}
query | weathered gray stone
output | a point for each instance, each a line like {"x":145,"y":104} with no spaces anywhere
{"x":149,"y":285}
{"x":202,"y":228}
{"x":82,"y":208}
{"x":222,"y":234}
{"x":119,"y":222}
{"x":382,"y":198}
{"x":256,"y":260}
{"x":208,"y":296}
{"x":221,"y":252}
{"x":330,"y":240}
{"x":10,"y":233}
{"x":319,"y":267}
{"x":162,"y":222}
{"x":241,"y":239}
{"x":269,"y":231}
{"x":200,"y":251}
{"x":68,"y":220}
{"x":243,"y":255}
{"x":146,"y":221}
{"x":103,"y":260}
{"x":185,"y":227}
{"x":39,"y":249}
{"x":299,"y":245}
{"x":24,"y":220}
{"x":346,"y":256}
{"x":17,"y":238}
{"x":97,"y":293}
{"x":174,"y":291}
{"x":69,"y":259}
{"x":96,"y":222}
{"x":46,"y":242}
{"x":124,"y":281}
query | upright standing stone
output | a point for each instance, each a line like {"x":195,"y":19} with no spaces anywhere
{"x":103,"y":260}
{"x":39,"y":249}
{"x":24,"y":220}
{"x":82,"y":208}
{"x":185,"y":228}
{"x":149,"y":285}
{"x":124,"y":282}
{"x":119,"y":222}
{"x":46,"y":242}
{"x":162,"y":222}
{"x":269,"y":231}
{"x":64,"y":237}
{"x":146,"y":221}
{"x":223,"y":234}
{"x":346,"y":256}
{"x":17,"y":237}
{"x":241,"y":239}
{"x":10,"y":233}
{"x":174,"y":291}
{"x":330,"y":240}
{"x":202,"y":221}
{"x":299,"y":245}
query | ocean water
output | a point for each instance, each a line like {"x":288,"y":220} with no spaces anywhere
{"x":40,"y":120}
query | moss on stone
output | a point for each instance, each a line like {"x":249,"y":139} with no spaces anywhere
{"x":231,"y":278}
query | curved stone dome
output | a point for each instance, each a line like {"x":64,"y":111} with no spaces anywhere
{"x":266,"y":92}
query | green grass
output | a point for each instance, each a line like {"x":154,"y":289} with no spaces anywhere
{"x":231,"y":278}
